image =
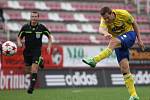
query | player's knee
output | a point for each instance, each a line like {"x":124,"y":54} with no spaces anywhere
{"x":124,"y":66}
{"x":34,"y":68}
{"x":114,"y":43}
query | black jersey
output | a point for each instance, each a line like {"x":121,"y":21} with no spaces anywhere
{"x":33,"y":35}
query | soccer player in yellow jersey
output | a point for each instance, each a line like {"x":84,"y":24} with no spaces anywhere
{"x":121,"y":29}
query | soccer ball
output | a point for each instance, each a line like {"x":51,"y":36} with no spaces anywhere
{"x":9,"y":48}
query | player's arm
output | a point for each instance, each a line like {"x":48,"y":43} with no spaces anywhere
{"x":131,"y":20}
{"x":20,"y":37}
{"x":103,"y":29}
{"x":19,"y":43}
{"x":136,"y":29}
{"x":49,"y":36}
{"x":49,"y":42}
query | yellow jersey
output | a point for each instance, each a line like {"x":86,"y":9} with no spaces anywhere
{"x":121,"y":24}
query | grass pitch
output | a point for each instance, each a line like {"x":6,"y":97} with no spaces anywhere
{"x":116,"y":93}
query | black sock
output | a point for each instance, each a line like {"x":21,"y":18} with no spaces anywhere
{"x":33,"y":80}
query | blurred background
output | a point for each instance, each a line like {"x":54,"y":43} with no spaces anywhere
{"x":74,"y":25}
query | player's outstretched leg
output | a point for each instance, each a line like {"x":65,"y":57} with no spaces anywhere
{"x":90,"y":61}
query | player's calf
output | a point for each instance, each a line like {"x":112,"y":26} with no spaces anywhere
{"x":32,"y":83}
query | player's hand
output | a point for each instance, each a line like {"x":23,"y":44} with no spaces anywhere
{"x":108,"y":36}
{"x":20,"y":44}
{"x":141,"y":44}
{"x":49,"y":50}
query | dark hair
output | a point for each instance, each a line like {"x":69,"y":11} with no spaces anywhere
{"x":105,"y":10}
{"x":35,"y":12}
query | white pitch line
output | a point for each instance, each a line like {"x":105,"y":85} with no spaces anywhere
{"x":76,"y":91}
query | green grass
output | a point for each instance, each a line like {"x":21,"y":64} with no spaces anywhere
{"x":117,"y":93}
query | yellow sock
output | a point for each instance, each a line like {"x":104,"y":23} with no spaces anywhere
{"x":105,"y":53}
{"x":129,"y":82}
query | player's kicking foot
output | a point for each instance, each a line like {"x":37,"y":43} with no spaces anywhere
{"x":90,"y":61}
{"x":134,"y":98}
{"x":41,"y":64}
{"x":30,"y":90}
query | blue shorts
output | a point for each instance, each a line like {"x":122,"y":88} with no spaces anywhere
{"x":127,"y":41}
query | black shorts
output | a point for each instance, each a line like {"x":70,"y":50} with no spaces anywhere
{"x":31,"y":56}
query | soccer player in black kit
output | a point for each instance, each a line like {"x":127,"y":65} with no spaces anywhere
{"x":32,"y":33}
